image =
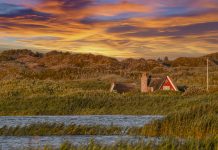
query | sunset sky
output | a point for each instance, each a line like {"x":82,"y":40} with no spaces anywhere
{"x":117,"y":28}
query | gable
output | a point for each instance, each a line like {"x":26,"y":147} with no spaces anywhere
{"x":168,"y":85}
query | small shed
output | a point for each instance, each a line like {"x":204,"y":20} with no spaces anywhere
{"x":121,"y":87}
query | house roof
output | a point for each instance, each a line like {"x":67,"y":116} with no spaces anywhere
{"x":122,"y":87}
{"x":173,"y":83}
{"x":156,"y":83}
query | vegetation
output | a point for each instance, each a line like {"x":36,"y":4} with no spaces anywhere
{"x":59,"y":83}
{"x":46,"y":129}
{"x":195,"y":118}
{"x":25,"y":64}
{"x":198,"y":121}
{"x":167,"y":144}
{"x":34,"y":97}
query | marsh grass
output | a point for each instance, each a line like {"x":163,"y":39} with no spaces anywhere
{"x":89,"y":102}
{"x":165,"y":144}
{"x":198,"y":121}
{"x":187,"y":115}
{"x":47,"y":129}
{"x":34,"y":97}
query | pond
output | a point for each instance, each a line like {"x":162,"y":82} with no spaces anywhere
{"x":106,"y":120}
{"x":10,"y":142}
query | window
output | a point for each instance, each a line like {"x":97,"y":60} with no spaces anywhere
{"x":166,"y":88}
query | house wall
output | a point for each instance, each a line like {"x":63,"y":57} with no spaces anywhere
{"x":167,"y":84}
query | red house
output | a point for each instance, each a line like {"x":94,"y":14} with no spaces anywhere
{"x":150,"y":84}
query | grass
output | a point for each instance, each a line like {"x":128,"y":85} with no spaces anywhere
{"x":90,"y":102}
{"x":206,"y":143}
{"x":46,"y":129}
{"x":188,"y":115}
{"x":166,"y":144}
{"x":193,"y":120}
{"x":35,"y":97}
{"x":199,"y":121}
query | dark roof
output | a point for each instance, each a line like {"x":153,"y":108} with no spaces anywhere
{"x":123,"y":87}
{"x":156,"y":82}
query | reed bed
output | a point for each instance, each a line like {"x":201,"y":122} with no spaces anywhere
{"x":34,"y":97}
{"x":165,"y":144}
{"x":48,"y":129}
{"x":199,"y":121}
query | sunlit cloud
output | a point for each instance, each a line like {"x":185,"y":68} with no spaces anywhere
{"x":117,"y":28}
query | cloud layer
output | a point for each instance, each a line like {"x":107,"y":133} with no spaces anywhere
{"x":119,"y":28}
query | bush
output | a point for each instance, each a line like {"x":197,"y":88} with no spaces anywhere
{"x":194,"y":91}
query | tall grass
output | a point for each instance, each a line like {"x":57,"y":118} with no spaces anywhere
{"x":35,"y":97}
{"x":186,"y":115}
{"x":47,"y":129}
{"x":198,"y":121}
{"x":166,"y":144}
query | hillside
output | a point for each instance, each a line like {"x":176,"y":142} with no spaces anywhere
{"x":21,"y":64}
{"x":59,"y":65}
{"x":195,"y":62}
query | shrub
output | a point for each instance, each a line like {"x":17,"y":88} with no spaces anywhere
{"x":194,"y":91}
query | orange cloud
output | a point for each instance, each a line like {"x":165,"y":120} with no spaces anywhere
{"x":121,"y":29}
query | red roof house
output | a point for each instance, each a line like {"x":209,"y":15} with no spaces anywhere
{"x":150,"y":84}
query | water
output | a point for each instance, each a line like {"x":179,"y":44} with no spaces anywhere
{"x":13,"y":143}
{"x":106,"y":120}
{"x":17,"y":143}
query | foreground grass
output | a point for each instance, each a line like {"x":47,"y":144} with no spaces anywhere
{"x":206,"y":143}
{"x":198,"y":121}
{"x":167,"y":144}
{"x":187,"y":116}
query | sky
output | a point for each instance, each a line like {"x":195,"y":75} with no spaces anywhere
{"x":116,"y":28}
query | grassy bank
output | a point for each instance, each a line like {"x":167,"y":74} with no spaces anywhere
{"x":33,"y":97}
{"x":90,"y":102}
{"x":197,"y":121}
